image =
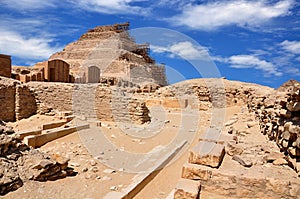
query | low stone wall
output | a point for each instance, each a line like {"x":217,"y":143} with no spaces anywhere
{"x":52,"y":96}
{"x":204,"y":94}
{"x":94,"y":101}
{"x":279,"y":117}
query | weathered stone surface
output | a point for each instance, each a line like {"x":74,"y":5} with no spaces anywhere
{"x":244,"y":161}
{"x":280,"y":123}
{"x":7,"y":100}
{"x":280,"y":161}
{"x":207,"y":153}
{"x":187,"y":189}
{"x":195,"y":172}
{"x":19,"y":163}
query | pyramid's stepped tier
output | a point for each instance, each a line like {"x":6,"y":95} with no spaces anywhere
{"x":114,"y":52}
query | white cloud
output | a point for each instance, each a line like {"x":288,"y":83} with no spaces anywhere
{"x":28,"y":4}
{"x":17,"y":45}
{"x":111,"y":6}
{"x":174,"y":4}
{"x":293,"y":70}
{"x":243,"y":13}
{"x":291,"y":46}
{"x":183,"y":49}
{"x":251,"y":61}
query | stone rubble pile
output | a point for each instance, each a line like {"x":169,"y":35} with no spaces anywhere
{"x":279,"y":117}
{"x":19,"y":163}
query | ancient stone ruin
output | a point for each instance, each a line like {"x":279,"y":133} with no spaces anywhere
{"x":5,"y":63}
{"x":100,"y":114}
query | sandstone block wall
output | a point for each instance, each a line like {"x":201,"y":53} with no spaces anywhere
{"x":94,"y":101}
{"x":115,"y":104}
{"x":52,"y":96}
{"x":5,"y":66}
{"x":7,"y":99}
{"x":25,"y":102}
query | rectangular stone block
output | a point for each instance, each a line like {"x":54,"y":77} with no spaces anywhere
{"x":53,"y":125}
{"x":30,"y":140}
{"x":27,"y":133}
{"x":39,"y":140}
{"x":196,"y":172}
{"x":207,"y":153}
{"x":187,"y":189}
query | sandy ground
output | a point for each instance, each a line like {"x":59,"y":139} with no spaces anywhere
{"x":101,"y":171}
{"x":32,"y":123}
{"x":94,"y":180}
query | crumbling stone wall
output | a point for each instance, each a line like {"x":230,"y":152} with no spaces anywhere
{"x":203,"y":94}
{"x":95,"y":101}
{"x":7,"y":99}
{"x":25,"y":102}
{"x":52,"y":96}
{"x":279,"y":117}
{"x":116,"y":104}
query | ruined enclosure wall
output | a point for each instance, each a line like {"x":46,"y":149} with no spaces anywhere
{"x":204,"y":94}
{"x":52,"y":96}
{"x":279,"y":117}
{"x":25,"y":102}
{"x":113,"y":104}
{"x":7,"y":99}
{"x":5,"y":66}
{"x":91,"y":101}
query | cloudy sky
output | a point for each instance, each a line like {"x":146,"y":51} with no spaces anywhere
{"x":252,"y":41}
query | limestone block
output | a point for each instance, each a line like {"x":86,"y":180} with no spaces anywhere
{"x":187,"y":189}
{"x":53,"y":125}
{"x":27,"y":133}
{"x":196,"y":172}
{"x":207,"y":153}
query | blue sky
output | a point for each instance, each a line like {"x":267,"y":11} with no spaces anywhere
{"x":251,"y":41}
